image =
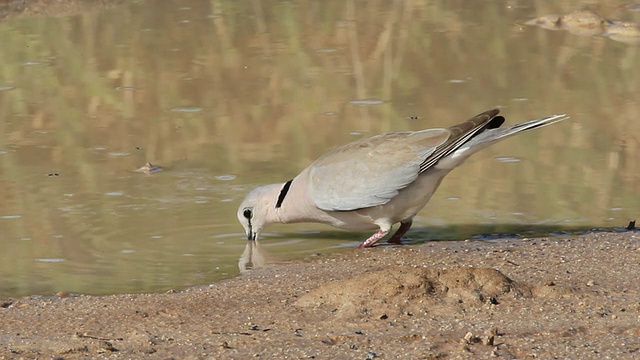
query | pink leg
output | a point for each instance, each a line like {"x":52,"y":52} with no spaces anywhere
{"x":404,"y":226}
{"x":373,"y":239}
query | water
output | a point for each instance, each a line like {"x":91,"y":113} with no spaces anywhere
{"x":228,"y":95}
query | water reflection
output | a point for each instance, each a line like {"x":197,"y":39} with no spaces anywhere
{"x":228,"y":95}
{"x":254,"y":256}
{"x":588,"y":23}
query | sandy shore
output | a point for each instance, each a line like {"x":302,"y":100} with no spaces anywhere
{"x":571,"y":297}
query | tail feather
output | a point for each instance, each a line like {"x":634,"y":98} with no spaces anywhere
{"x":490,"y":136}
{"x":494,"y":135}
{"x":462,"y":133}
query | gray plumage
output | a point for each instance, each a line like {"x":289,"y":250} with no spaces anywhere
{"x":377,"y":181}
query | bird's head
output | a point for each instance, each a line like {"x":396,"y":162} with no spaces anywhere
{"x":257,"y":210}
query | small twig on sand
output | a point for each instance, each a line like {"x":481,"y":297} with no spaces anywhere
{"x":512,"y":263}
{"x":222,"y":332}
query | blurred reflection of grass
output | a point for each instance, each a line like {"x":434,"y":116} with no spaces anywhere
{"x":274,"y":80}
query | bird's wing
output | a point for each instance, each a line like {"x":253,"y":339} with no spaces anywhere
{"x":370,"y":171}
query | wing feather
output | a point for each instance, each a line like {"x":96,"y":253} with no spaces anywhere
{"x":371,"y":171}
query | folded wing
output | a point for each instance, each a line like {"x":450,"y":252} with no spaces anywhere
{"x":371,"y":171}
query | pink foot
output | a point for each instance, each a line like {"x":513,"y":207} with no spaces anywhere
{"x":373,"y":239}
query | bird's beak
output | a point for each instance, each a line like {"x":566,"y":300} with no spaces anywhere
{"x":251,"y":235}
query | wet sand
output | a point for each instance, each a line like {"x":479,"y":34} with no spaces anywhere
{"x":571,"y":297}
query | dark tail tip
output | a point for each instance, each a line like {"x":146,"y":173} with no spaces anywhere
{"x":495,"y":123}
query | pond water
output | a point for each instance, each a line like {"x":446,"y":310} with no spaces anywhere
{"x":224,"y":96}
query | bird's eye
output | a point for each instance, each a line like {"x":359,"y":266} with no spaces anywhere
{"x":247,"y":213}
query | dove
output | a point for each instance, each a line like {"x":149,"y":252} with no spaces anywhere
{"x":378,"y":181}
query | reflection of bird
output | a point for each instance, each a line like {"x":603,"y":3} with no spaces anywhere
{"x":377,"y":181}
{"x":252,"y":257}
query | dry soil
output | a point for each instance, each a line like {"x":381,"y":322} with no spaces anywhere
{"x":571,"y":297}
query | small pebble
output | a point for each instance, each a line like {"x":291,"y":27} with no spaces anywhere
{"x":488,"y":340}
{"x":147,"y":350}
{"x":468,"y":337}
